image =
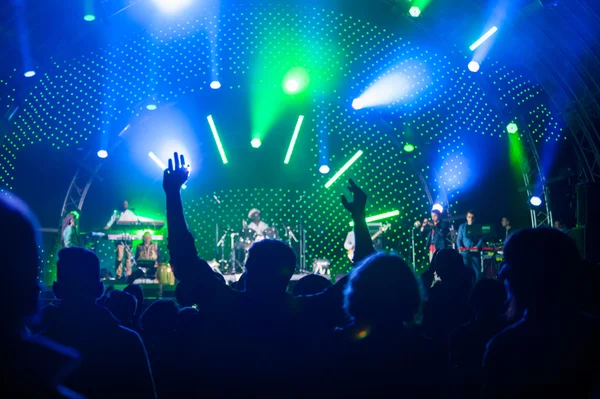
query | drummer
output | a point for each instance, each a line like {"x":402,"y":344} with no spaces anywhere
{"x":256,"y":224}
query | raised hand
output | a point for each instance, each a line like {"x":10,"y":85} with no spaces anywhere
{"x":359,"y":201}
{"x":175,"y":176}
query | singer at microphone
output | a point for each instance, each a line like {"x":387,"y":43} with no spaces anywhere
{"x":436,"y":231}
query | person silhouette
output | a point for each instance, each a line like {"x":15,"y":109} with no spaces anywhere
{"x":95,"y":333}
{"x":32,"y":367}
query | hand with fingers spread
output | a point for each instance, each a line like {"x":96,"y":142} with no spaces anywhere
{"x":175,"y":176}
{"x":359,"y":201}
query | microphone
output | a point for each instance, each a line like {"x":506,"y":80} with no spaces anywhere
{"x":417,"y":224}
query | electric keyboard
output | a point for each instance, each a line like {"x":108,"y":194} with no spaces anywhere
{"x":130,"y":237}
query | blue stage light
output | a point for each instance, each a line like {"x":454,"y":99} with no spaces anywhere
{"x":29,"y":74}
{"x":535,"y":201}
{"x":102,"y":154}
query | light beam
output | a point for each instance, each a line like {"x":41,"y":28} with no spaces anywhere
{"x":343,"y":169}
{"x":293,"y":141}
{"x":213,"y":129}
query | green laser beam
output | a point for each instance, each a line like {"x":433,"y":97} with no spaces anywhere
{"x":213,"y":128}
{"x":343,"y":169}
{"x":294,"y":138}
{"x":380,"y":216}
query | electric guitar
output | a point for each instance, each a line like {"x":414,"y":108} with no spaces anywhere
{"x":373,"y":237}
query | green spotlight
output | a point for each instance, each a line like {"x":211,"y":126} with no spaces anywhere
{"x":414,"y":11}
{"x":409,"y":147}
{"x":294,"y":138}
{"x":381,"y":216}
{"x":295,"y":81}
{"x":213,"y":128}
{"x":343,"y":169}
{"x":255,"y":143}
{"x":512,"y":128}
{"x":89,"y":17}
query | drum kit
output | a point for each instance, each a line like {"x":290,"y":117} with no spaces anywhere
{"x":236,"y":244}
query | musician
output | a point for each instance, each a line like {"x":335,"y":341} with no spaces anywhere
{"x":147,"y":251}
{"x":375,"y":238}
{"x":123,"y":249}
{"x":464,"y":240}
{"x":508,"y":229}
{"x":69,"y":236}
{"x":559,"y":226}
{"x":435,"y":231}
{"x":256,"y":224}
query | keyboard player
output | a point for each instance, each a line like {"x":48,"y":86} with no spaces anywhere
{"x":147,"y":253}
{"x":123,"y":248}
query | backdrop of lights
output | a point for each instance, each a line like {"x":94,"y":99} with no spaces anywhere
{"x":446,"y":106}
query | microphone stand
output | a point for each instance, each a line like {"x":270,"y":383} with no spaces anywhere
{"x":414,"y":257}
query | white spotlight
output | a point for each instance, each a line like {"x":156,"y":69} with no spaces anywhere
{"x":172,"y":6}
{"x":215,"y":85}
{"x":357,"y":103}
{"x":473,"y":66}
{"x":438,"y":207}
{"x":324,"y":169}
{"x":29,"y":73}
{"x":102,"y":154}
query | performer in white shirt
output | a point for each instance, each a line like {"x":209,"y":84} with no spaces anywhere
{"x":123,"y":249}
{"x":257,"y":225}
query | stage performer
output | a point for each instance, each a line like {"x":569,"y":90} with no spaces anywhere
{"x":436,"y":231}
{"x":257,"y":224}
{"x":69,"y":236}
{"x":470,"y":245}
{"x":508,"y":229}
{"x":123,"y":248}
{"x":147,"y":251}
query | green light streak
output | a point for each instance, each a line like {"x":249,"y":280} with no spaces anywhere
{"x":213,"y":128}
{"x":294,"y":138}
{"x":381,"y":216}
{"x":483,"y":38}
{"x":343,"y":169}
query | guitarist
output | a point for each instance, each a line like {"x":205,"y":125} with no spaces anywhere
{"x":350,"y":239}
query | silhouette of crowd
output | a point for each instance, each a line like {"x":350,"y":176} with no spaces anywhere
{"x":380,"y":331}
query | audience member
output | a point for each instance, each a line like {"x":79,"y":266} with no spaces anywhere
{"x":311,"y":284}
{"x":381,"y":349}
{"x":268,"y":323}
{"x":31,"y":366}
{"x":114,"y":360}
{"x":137,"y":291}
{"x":553,"y":350}
{"x":158,"y":323}
{"x":447,"y":306}
{"x":123,"y":307}
{"x":468,"y":342}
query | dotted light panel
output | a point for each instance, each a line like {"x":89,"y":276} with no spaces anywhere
{"x":76,"y":101}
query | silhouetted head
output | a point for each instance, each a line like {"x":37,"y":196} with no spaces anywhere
{"x":488,"y":299}
{"x":19,"y":248}
{"x":77,"y":276}
{"x":448,"y":264}
{"x":160,"y":317}
{"x":270,"y":266}
{"x":123,"y":306}
{"x":311,"y":284}
{"x":541,"y":268}
{"x":382,"y":290}
{"x":505,"y":222}
{"x":138,"y":293}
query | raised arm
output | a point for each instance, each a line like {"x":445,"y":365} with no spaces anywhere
{"x":362,"y":239}
{"x":185,"y":263}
